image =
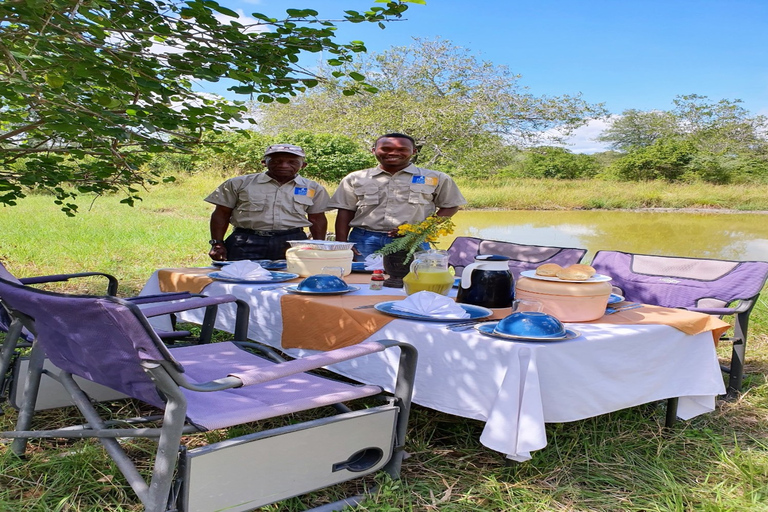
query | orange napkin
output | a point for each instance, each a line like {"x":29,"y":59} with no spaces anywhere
{"x":191,"y":280}
{"x":326,"y":323}
{"x":690,"y":322}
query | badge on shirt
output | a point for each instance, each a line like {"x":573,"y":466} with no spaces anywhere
{"x":425,"y":180}
{"x":303,"y":191}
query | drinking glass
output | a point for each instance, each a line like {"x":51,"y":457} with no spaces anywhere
{"x":526,"y":305}
{"x":333,"y":271}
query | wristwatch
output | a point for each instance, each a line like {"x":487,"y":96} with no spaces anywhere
{"x":213,"y":241}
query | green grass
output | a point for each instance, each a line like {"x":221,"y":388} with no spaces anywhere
{"x":624,"y":461}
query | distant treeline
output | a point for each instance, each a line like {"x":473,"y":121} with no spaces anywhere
{"x":330,"y":157}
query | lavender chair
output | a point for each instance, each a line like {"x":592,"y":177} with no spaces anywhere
{"x":716,"y":287}
{"x":13,"y":367}
{"x":197,"y":388}
{"x":463,"y":250}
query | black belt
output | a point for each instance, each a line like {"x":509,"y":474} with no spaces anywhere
{"x":269,"y":233}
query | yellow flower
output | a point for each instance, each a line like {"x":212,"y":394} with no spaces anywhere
{"x":412,"y":237}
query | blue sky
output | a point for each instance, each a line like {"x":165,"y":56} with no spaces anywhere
{"x":624,"y":53}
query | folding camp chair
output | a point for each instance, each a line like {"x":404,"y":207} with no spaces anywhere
{"x":463,"y":250}
{"x":716,"y":287}
{"x":17,"y":339}
{"x":212,"y":386}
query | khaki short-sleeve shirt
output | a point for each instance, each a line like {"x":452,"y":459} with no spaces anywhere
{"x":383,"y":201}
{"x":258,"y":202}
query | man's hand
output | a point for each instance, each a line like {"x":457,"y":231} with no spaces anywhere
{"x":218,"y":252}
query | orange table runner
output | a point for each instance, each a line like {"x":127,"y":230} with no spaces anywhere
{"x":191,"y":280}
{"x":690,"y":322}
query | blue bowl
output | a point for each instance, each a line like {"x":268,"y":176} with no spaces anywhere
{"x":531,"y":324}
{"x":322,"y":283}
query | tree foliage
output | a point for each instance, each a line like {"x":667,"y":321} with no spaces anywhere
{"x":698,"y":139}
{"x":464,"y":113}
{"x":90,"y":89}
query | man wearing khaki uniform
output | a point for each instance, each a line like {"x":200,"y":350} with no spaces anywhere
{"x":267,"y":209}
{"x":374,"y":202}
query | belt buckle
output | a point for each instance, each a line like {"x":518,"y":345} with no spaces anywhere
{"x":263,"y":233}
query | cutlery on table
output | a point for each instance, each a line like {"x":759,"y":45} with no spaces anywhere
{"x":612,"y":310}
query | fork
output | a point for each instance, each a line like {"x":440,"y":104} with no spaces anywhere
{"x":610,"y":311}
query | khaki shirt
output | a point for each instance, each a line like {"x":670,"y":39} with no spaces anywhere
{"x":258,"y":202}
{"x":383,"y":201}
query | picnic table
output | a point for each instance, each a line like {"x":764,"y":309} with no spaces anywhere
{"x":514,"y":387}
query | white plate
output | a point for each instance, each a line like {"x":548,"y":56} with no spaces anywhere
{"x":275,"y":277}
{"x":295,"y":289}
{"x":488,"y":329}
{"x":475,"y":313}
{"x":597,"y":278}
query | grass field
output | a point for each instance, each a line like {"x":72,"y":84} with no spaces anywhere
{"x":624,"y":461}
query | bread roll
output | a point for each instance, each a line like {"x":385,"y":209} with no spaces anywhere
{"x":585,"y":268}
{"x":548,"y":269}
{"x":577,"y":272}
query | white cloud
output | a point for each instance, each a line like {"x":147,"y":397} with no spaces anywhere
{"x":583,"y":139}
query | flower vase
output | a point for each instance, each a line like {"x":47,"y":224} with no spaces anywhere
{"x":395,"y":268}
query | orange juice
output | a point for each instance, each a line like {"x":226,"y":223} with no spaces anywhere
{"x":430,"y":279}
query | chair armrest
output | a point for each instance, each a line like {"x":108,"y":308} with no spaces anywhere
{"x":313,"y":362}
{"x":187,"y":304}
{"x":56,"y":278}
{"x":161,"y":297}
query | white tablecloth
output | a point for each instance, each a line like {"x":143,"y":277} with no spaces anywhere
{"x":517,"y":387}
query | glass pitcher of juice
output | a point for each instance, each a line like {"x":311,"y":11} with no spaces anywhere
{"x":429,"y":271}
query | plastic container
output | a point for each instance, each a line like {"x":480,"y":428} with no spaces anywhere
{"x":307,"y":262}
{"x":566,"y":301}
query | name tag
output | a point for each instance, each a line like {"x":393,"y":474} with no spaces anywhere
{"x":424,"y":180}
{"x":303,"y":191}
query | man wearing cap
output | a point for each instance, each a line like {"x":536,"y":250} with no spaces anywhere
{"x":374,"y":202}
{"x":267,"y":209}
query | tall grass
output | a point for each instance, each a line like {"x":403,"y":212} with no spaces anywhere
{"x":623,"y":461}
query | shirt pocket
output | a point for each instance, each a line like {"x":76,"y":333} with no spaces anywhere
{"x":302,"y":203}
{"x":252,"y":202}
{"x":420,"y":193}
{"x":367,"y":195}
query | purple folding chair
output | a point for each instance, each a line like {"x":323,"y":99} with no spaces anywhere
{"x":716,"y":287}
{"x":13,"y":367}
{"x":109,"y":341}
{"x":463,"y":250}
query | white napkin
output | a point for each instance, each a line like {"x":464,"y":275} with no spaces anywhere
{"x":246,"y":270}
{"x":431,"y":304}
{"x":374,"y":262}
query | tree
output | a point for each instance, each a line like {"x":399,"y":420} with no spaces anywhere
{"x":713,"y":127}
{"x":463,"y":112}
{"x":556,"y":162}
{"x":90,"y":89}
{"x":636,"y":129}
{"x":666,"y":159}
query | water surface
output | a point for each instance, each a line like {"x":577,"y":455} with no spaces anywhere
{"x":733,"y":236}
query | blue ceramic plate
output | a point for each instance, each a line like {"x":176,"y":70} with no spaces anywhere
{"x":276,"y":277}
{"x":295,"y":289}
{"x":266,"y":264}
{"x":488,"y":329}
{"x":614,"y":299}
{"x":475,"y":313}
{"x":358,"y":267}
{"x":456,"y":282}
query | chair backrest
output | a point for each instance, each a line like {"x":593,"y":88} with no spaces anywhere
{"x":5,"y":321}
{"x":101,"y":339}
{"x":677,"y":282}
{"x":463,"y":250}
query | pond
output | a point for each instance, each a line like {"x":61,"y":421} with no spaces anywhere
{"x":733,"y":236}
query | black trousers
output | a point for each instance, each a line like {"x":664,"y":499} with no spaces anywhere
{"x":245,"y":245}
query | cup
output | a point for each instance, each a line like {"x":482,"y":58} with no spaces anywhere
{"x":333,"y":271}
{"x":526,"y":305}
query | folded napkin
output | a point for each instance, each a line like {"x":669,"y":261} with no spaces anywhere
{"x":246,"y":270}
{"x":431,"y":304}
{"x":374,"y":262}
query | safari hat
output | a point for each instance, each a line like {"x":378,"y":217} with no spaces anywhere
{"x":284,"y":148}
